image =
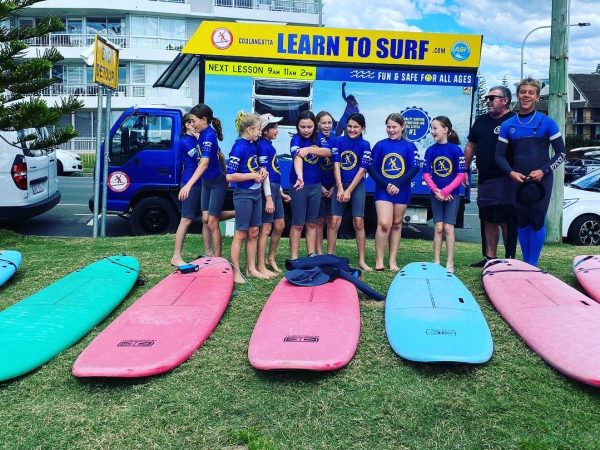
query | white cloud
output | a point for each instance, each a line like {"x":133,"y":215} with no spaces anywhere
{"x":377,"y":14}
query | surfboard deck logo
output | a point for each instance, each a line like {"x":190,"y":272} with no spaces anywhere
{"x":137,"y":343}
{"x":301,"y":339}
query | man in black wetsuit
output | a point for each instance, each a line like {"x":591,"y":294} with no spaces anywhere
{"x":495,"y":211}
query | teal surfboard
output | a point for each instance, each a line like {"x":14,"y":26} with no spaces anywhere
{"x":430,"y":316}
{"x":39,"y":327}
{"x":10,"y":260}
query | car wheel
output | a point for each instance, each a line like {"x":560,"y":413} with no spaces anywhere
{"x":585,"y":230}
{"x":154,"y":215}
{"x":59,"y":169}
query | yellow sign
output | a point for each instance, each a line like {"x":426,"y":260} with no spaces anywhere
{"x":106,"y":63}
{"x":258,"y":70}
{"x":232,"y":39}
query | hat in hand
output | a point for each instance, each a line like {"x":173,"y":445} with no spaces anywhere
{"x":530,"y":191}
{"x":266,"y":119}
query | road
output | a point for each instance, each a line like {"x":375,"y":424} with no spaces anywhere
{"x":72,"y":218}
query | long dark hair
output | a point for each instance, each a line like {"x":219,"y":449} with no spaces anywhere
{"x":204,"y":111}
{"x":310,"y":116}
{"x":359,"y":119}
{"x":446,"y":123}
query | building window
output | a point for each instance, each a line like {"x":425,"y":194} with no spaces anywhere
{"x":157,"y":32}
{"x":576,"y":94}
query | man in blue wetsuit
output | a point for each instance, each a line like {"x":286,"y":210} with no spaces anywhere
{"x":528,"y":135}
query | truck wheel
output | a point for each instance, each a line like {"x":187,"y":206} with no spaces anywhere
{"x":154,"y":215}
{"x":585,"y":230}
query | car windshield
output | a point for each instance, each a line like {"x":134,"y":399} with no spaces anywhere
{"x":590,"y":182}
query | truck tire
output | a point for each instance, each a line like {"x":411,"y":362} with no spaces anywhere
{"x":154,"y":215}
{"x":585,"y":230}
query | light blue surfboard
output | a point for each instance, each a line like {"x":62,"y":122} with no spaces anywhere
{"x":10,"y":260}
{"x":430,"y":316}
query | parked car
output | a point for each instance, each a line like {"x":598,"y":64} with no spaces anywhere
{"x":28,"y":178}
{"x":581,"y":210}
{"x":68,"y":162}
{"x":576,"y":168}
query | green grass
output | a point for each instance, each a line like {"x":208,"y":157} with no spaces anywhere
{"x":216,"y":400}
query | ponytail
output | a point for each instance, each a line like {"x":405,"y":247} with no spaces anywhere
{"x":216,"y":124}
{"x":446,"y":123}
{"x":453,"y":137}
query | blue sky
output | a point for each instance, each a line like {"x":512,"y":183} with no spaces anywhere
{"x":503,"y":23}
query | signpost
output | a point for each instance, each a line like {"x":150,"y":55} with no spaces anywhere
{"x":106,"y":76}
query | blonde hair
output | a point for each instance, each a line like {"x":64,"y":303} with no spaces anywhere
{"x":529,"y":81}
{"x":244,"y":121}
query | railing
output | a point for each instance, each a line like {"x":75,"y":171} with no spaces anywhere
{"x":124,"y":90}
{"x":299,"y":6}
{"x":85,"y":40}
{"x":81,"y":145}
{"x":587,"y":121}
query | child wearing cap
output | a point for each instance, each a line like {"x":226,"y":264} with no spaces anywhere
{"x":244,"y":172}
{"x":273,"y":222}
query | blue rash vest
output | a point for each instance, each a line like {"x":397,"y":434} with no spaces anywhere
{"x":189,"y":149}
{"x":392,"y":158}
{"x":243,"y":159}
{"x":352,"y":154}
{"x":210,"y":149}
{"x":444,"y":162}
{"x":267,"y":158}
{"x":327,"y":176}
{"x":311,"y":163}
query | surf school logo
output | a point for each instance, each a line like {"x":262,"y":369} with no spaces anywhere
{"x":118,"y":181}
{"x":348,"y":160}
{"x":442,"y":166}
{"x":301,"y":339}
{"x":460,"y":51}
{"x":497,"y":130}
{"x":392,"y":166}
{"x":311,"y":159}
{"x":221,"y":38}
{"x":437,"y":332}
{"x":327,"y":164}
{"x":275,"y":165}
{"x":253,"y":164}
{"x":137,"y":343}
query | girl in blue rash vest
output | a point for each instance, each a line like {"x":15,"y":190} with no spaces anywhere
{"x":528,"y":135}
{"x":189,"y":150}
{"x":444,"y":171}
{"x":210,"y":170}
{"x":307,"y":147}
{"x":392,"y":170}
{"x":325,"y":126}
{"x":351,"y":159}
{"x":243,"y":171}
{"x":271,"y":221}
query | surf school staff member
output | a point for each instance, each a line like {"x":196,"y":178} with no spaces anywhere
{"x":393,"y":168}
{"x":528,"y":135}
{"x":273,"y":222}
{"x":351,"y":159}
{"x":244,"y":172}
{"x":325,"y":126}
{"x":307,"y":147}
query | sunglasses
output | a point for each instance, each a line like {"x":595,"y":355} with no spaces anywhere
{"x":491,"y":98}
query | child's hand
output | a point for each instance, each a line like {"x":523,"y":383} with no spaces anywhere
{"x":299,"y":184}
{"x":184,"y":193}
{"x":269,"y":205}
{"x":391,"y":189}
{"x":303,"y":152}
{"x":286,"y":198}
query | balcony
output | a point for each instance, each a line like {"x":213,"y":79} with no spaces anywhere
{"x":124,"y":90}
{"x":296,"y":6}
{"x":85,"y":40}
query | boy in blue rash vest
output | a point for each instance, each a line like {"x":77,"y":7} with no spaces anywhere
{"x":189,"y":150}
{"x":351,"y":108}
{"x":351,"y":159}
{"x":325,"y":126}
{"x":307,"y":147}
{"x":267,"y":158}
{"x":244,"y":172}
{"x":214,"y":186}
{"x":393,"y":168}
{"x":528,"y":135}
{"x":444,"y":171}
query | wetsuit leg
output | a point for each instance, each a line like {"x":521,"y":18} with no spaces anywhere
{"x":536,"y":242}
{"x":524,"y":240}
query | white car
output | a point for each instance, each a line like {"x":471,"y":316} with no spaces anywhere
{"x":581,"y":210}
{"x":68,"y":162}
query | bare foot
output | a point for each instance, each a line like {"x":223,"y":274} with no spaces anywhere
{"x":177,"y":261}
{"x":267,"y":273}
{"x":256,"y":274}
{"x":364,"y":267}
{"x":273,"y":265}
{"x":450,"y":269}
{"x":394,"y":268}
{"x":238,"y":278}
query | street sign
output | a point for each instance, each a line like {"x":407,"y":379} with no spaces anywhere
{"x":106,"y":63}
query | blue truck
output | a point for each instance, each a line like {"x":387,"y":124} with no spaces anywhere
{"x":284,"y":70}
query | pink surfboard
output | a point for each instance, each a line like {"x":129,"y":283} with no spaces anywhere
{"x":308,"y":328}
{"x":587,"y":272}
{"x":556,"y":321}
{"x":164,"y":327}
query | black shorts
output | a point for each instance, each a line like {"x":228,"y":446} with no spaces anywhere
{"x":496,"y":213}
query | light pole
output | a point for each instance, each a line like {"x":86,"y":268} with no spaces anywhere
{"x":579,"y":24}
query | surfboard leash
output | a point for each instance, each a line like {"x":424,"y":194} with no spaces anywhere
{"x":247,"y":284}
{"x":491,"y":272}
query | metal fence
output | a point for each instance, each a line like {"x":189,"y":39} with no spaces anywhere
{"x":298,"y":6}
{"x":124,"y":90}
{"x":85,"y":40}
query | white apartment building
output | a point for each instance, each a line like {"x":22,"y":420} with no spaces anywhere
{"x":150,"y":34}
